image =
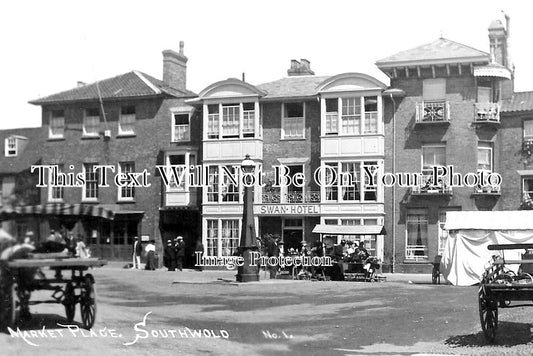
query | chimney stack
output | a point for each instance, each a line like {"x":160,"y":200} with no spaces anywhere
{"x":175,"y":68}
{"x":302,"y":67}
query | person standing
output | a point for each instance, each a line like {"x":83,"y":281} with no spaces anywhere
{"x":150,"y":256}
{"x":137,"y":251}
{"x":199,"y":248}
{"x":180,"y":252}
{"x":170,"y":256}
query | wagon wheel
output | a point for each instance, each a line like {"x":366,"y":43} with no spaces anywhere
{"x":88,"y":302}
{"x":488,"y":314}
{"x":435,"y":275}
{"x":8,"y":299}
{"x":70,"y":302}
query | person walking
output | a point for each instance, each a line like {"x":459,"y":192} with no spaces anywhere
{"x":180,"y":252}
{"x":137,"y":251}
{"x":170,"y":256}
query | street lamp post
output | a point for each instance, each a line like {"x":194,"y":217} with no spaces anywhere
{"x":247,"y":272}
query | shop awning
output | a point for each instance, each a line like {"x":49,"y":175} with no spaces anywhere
{"x":64,"y":209}
{"x":349,"y":229}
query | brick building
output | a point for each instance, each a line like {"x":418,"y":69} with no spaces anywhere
{"x":134,"y":123}
{"x":299,"y":124}
{"x":449,"y":114}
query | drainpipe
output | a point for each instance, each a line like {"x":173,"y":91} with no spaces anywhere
{"x":392,"y":93}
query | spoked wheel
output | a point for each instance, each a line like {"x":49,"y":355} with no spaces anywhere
{"x":70,"y":302}
{"x":488,"y":315}
{"x":88,"y":302}
{"x":435,"y":275}
{"x":8,"y":299}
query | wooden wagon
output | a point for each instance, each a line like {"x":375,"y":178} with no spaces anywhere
{"x":500,"y":287}
{"x":70,"y":285}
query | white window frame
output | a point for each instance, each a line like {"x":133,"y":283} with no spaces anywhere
{"x":284,"y":120}
{"x":56,"y":122}
{"x":84,"y":197}
{"x":214,"y":123}
{"x":121,"y":190}
{"x":11,"y":146}
{"x":360,"y":180}
{"x":410,"y":250}
{"x":122,"y":131}
{"x":485,"y":146}
{"x":218,"y":238}
{"x":528,"y":130}
{"x":187,"y":127}
{"x":52,"y":190}
{"x":86,"y":119}
{"x":427,"y":171}
{"x":524,"y":191}
{"x":334,"y":123}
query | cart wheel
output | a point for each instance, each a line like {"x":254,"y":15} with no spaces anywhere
{"x":8,"y":299}
{"x":488,"y":315}
{"x":70,"y":302}
{"x":435,"y":275}
{"x":88,"y":302}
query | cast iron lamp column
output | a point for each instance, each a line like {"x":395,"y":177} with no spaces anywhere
{"x":247,"y":272}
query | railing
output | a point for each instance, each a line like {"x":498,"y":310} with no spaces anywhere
{"x":290,"y":198}
{"x":487,"y":189}
{"x":427,"y":187}
{"x":432,"y":112}
{"x":487,"y":112}
{"x":416,"y":253}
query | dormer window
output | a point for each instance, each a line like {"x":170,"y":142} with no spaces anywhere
{"x":91,"y":123}
{"x":57,"y":124}
{"x":126,"y":123}
{"x":11,"y":148}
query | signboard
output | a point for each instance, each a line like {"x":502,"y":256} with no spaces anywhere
{"x":287,"y":209}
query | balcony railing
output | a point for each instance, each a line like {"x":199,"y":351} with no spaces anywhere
{"x":487,"y":190}
{"x":427,"y":187}
{"x":290,"y":198}
{"x":487,"y":113}
{"x":432,"y":112}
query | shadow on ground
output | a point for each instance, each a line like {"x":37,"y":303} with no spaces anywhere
{"x":508,"y":334}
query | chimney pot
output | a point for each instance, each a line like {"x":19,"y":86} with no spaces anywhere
{"x":182,"y":44}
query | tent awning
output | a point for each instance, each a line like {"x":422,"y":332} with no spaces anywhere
{"x":349,"y":229}
{"x":489,"y":220}
{"x":65,"y":209}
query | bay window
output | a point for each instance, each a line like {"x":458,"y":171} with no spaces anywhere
{"x":351,"y":179}
{"x":358,"y":115}
{"x":235,"y":120}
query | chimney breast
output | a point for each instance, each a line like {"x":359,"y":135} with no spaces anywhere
{"x":175,"y":68}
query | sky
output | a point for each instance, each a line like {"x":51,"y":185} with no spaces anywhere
{"x":48,"y":46}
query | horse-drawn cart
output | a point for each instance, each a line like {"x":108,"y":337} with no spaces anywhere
{"x":70,"y":285}
{"x":500,"y":286}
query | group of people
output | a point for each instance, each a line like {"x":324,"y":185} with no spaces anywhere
{"x":59,"y":242}
{"x":174,"y":254}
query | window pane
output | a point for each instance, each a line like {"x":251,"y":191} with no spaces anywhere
{"x":91,"y":181}
{"x":127,"y":192}
{"x":294,"y":110}
{"x":417,"y":235}
{"x":230,"y":237}
{"x":230,"y":120}
{"x":371,"y":115}
{"x":212,"y":189}
{"x":212,"y":238}
{"x":350,"y":190}
{"x":351,"y":116}
{"x":331,"y":177}
{"x":181,"y":127}
{"x":528,"y":129}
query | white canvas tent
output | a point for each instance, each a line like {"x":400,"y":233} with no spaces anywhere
{"x":466,"y":255}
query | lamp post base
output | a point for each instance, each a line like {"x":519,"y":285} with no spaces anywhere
{"x":247,"y":272}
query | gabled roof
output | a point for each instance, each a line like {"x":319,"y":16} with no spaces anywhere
{"x":441,"y":51}
{"x":131,"y":84}
{"x":31,"y":154}
{"x":521,"y":101}
{"x":297,"y":86}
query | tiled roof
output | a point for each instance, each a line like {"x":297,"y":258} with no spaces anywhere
{"x":297,"y":86}
{"x":31,"y":154}
{"x":521,"y":101}
{"x":435,"y":52}
{"x":131,"y":84}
